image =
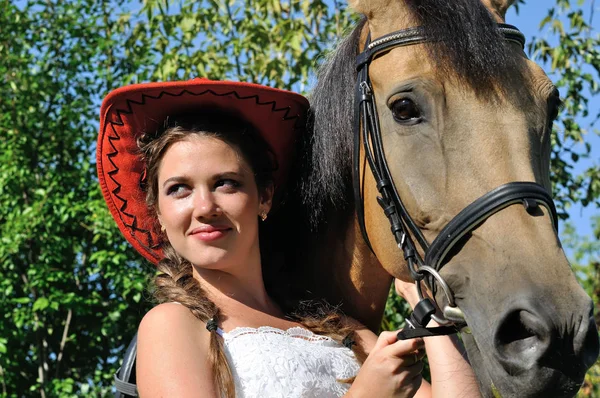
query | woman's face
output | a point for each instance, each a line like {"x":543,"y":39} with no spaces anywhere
{"x":208,"y":202}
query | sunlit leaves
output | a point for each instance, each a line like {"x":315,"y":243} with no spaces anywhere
{"x":74,"y":290}
{"x":54,"y":307}
{"x":572,"y":52}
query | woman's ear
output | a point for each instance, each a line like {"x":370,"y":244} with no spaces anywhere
{"x":160,"y":223}
{"x":266,"y":199}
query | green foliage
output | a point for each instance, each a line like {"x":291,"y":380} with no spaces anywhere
{"x":586,"y":264}
{"x":574,"y":64}
{"x":73,"y":291}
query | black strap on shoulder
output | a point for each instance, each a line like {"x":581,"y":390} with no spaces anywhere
{"x":125,"y":376}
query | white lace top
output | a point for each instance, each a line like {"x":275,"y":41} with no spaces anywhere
{"x":270,"y":362}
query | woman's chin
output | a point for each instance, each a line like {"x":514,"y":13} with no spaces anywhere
{"x":213,"y":258}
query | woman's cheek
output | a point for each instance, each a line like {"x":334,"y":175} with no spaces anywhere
{"x":177,"y":212}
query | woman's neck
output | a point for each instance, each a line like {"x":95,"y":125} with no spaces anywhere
{"x":241,"y":285}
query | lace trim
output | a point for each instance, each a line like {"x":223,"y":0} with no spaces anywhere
{"x":295,"y":332}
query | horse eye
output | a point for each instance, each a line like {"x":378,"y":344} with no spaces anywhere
{"x":405,"y":110}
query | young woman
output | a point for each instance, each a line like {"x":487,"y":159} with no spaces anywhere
{"x":189,"y":171}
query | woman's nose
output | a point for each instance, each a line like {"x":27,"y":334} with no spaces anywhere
{"x":205,"y":206}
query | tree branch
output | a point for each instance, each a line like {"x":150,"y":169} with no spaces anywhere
{"x":41,"y":376}
{"x":232,"y":36}
{"x":63,"y":341}
{"x":41,"y":341}
{"x":4,"y":390}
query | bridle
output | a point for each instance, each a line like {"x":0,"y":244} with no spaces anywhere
{"x":425,"y":268}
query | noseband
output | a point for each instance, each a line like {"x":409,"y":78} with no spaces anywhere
{"x":367,"y":131}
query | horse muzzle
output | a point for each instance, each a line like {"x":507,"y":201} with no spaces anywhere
{"x":535,"y":350}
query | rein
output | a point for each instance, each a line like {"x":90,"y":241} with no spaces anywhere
{"x":425,"y":268}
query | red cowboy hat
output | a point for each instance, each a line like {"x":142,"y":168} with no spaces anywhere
{"x":278,"y":115}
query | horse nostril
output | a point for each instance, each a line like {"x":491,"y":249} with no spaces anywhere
{"x":522,"y":338}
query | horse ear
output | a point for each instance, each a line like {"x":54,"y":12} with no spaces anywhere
{"x":498,"y":8}
{"x":359,"y":6}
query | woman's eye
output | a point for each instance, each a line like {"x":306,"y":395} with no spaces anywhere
{"x":405,"y":110}
{"x":177,"y":190}
{"x":228,"y":183}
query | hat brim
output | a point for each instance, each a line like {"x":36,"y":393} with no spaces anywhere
{"x":128,"y":112}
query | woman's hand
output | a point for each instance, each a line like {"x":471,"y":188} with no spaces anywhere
{"x":392,"y":369}
{"x":408,"y":291}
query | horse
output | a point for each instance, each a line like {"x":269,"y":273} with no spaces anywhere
{"x":462,"y":114}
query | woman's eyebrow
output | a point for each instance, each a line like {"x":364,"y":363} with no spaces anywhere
{"x":229,"y":174}
{"x":175,"y":178}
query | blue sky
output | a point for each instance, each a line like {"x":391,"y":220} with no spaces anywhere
{"x":527,"y":20}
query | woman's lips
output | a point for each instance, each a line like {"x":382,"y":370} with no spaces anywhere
{"x":210,"y":233}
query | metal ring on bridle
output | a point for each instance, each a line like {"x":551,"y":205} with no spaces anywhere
{"x":427,"y":269}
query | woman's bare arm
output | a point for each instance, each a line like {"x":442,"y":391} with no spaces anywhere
{"x":172,"y":355}
{"x":451,"y":373}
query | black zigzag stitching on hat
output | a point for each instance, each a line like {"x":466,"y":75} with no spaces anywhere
{"x":133,"y":224}
{"x":112,"y":173}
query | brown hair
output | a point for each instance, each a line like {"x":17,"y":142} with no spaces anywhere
{"x":175,"y":281}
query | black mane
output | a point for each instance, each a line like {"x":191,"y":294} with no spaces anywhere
{"x":463,"y":42}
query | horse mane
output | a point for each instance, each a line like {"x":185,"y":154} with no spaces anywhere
{"x":327,"y":160}
{"x":463,"y":42}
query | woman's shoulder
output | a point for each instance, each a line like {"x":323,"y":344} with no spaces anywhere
{"x":172,"y":349}
{"x":170,"y":319}
{"x":171,"y":311}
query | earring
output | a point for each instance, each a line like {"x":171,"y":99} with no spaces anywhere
{"x":163,"y":229}
{"x":263,"y":215}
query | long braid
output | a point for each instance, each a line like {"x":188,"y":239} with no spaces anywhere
{"x":176,"y":283}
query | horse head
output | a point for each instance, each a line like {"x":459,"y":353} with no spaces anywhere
{"x":461,"y":111}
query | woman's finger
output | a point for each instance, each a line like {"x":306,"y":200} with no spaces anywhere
{"x":403,"y":287}
{"x":385,"y":339}
{"x":404,"y":347}
{"x":409,"y":359}
{"x":412,"y":371}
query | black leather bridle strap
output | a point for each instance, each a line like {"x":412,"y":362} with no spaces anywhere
{"x":410,"y":333}
{"x":512,"y":34}
{"x":356,"y":172}
{"x":368,"y":133}
{"x":527,"y":193}
{"x":401,"y":38}
{"x":410,"y":36}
